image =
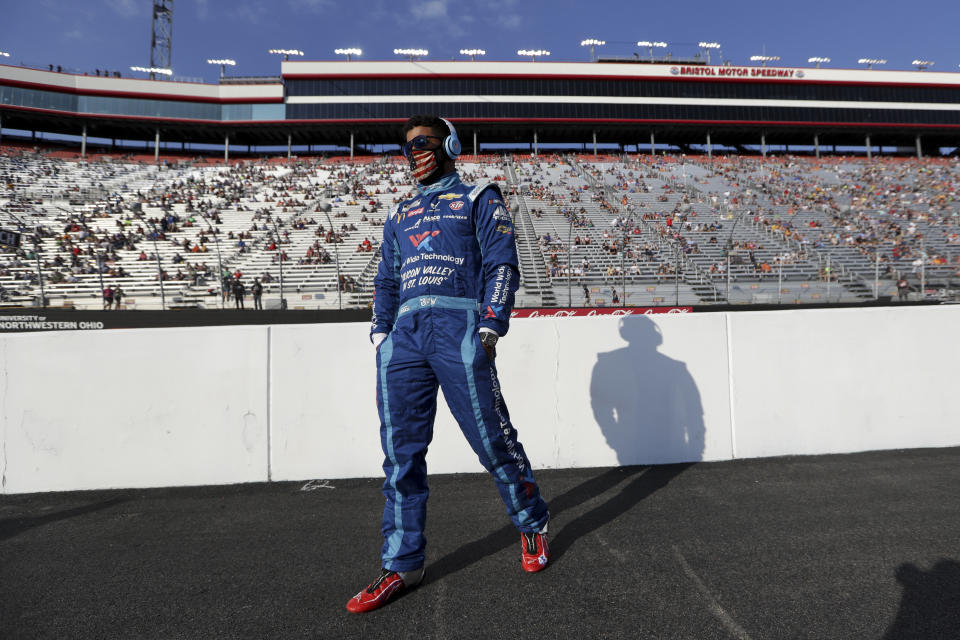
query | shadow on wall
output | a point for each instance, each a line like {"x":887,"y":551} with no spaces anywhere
{"x":646,"y":404}
{"x":930,"y":606}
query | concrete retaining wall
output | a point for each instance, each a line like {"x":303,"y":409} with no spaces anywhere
{"x":167,"y":407}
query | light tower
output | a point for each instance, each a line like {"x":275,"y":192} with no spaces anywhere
{"x":592,"y":42}
{"x":922,"y":64}
{"x":223,"y":62}
{"x":533,"y":53}
{"x":161,"y":38}
{"x":818,"y":60}
{"x":413,"y":54}
{"x":153,"y":71}
{"x":651,"y":45}
{"x":473,"y":53}
{"x":286,"y":53}
{"x":349,"y":52}
{"x":871,"y":61}
{"x":706,"y":46}
{"x":764,"y":59}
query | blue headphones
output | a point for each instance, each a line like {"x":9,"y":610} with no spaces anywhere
{"x":451,"y":144}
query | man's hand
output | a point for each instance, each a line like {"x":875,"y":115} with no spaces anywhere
{"x":488,"y":338}
{"x":377,"y":338}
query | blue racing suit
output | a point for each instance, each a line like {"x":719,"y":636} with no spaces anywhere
{"x":448,"y":267}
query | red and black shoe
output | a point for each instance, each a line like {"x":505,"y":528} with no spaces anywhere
{"x":534,"y":551}
{"x":387,"y":585}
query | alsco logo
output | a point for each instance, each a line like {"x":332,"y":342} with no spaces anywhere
{"x":422,"y":240}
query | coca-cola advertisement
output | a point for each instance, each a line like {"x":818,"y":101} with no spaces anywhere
{"x":600,"y":311}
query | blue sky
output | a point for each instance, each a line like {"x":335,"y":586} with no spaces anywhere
{"x":114,"y":34}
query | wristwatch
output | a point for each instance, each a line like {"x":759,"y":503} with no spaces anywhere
{"x":489,"y":339}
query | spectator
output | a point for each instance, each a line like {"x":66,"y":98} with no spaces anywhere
{"x":903,"y":288}
{"x":239,"y":291}
{"x":257,"y":291}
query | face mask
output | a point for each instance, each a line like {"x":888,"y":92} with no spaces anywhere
{"x":423,"y":164}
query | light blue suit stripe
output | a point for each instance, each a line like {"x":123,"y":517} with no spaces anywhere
{"x":468,"y":351}
{"x":393,"y":543}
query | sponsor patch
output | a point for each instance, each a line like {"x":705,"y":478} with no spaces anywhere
{"x":422,"y":240}
{"x":500,"y":213}
{"x":456,"y":206}
{"x":503,"y":228}
{"x":449,"y":196}
{"x":403,"y":215}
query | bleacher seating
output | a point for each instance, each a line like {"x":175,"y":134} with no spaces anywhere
{"x":635,"y":230}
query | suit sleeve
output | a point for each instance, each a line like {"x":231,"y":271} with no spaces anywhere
{"x":498,"y":246}
{"x":386,"y":282}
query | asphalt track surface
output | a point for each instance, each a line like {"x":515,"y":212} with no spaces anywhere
{"x":855,"y":546}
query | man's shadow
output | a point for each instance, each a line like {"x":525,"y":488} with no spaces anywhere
{"x":647,"y":405}
{"x":648,"y":408}
{"x":11,"y":527}
{"x":643,"y":481}
{"x":930,"y":606}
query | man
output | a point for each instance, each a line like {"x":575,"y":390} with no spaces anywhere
{"x":257,"y":290}
{"x":239,"y":291}
{"x":444,"y":290}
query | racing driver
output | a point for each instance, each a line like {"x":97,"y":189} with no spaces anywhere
{"x":444,"y":290}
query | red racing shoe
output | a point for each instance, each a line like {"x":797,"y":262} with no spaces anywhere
{"x":383,"y":589}
{"x":534,"y":551}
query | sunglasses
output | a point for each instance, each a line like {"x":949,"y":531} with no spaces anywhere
{"x":420,"y":142}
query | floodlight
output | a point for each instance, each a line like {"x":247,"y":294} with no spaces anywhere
{"x":922,"y":64}
{"x":286,"y":53}
{"x":473,"y":53}
{"x":411,"y":53}
{"x":151,"y":70}
{"x":223,"y":62}
{"x":349,"y":52}
{"x":533,"y":53}
{"x":763,"y":60}
{"x":651,"y":45}
{"x":818,"y":60}
{"x":871,"y":61}
{"x":708,"y":46}
{"x":592,"y":42}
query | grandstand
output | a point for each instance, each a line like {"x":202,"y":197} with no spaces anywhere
{"x":628,"y":230}
{"x":676,"y":226}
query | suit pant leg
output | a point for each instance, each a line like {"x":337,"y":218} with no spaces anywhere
{"x":407,"y":403}
{"x":472,"y":390}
